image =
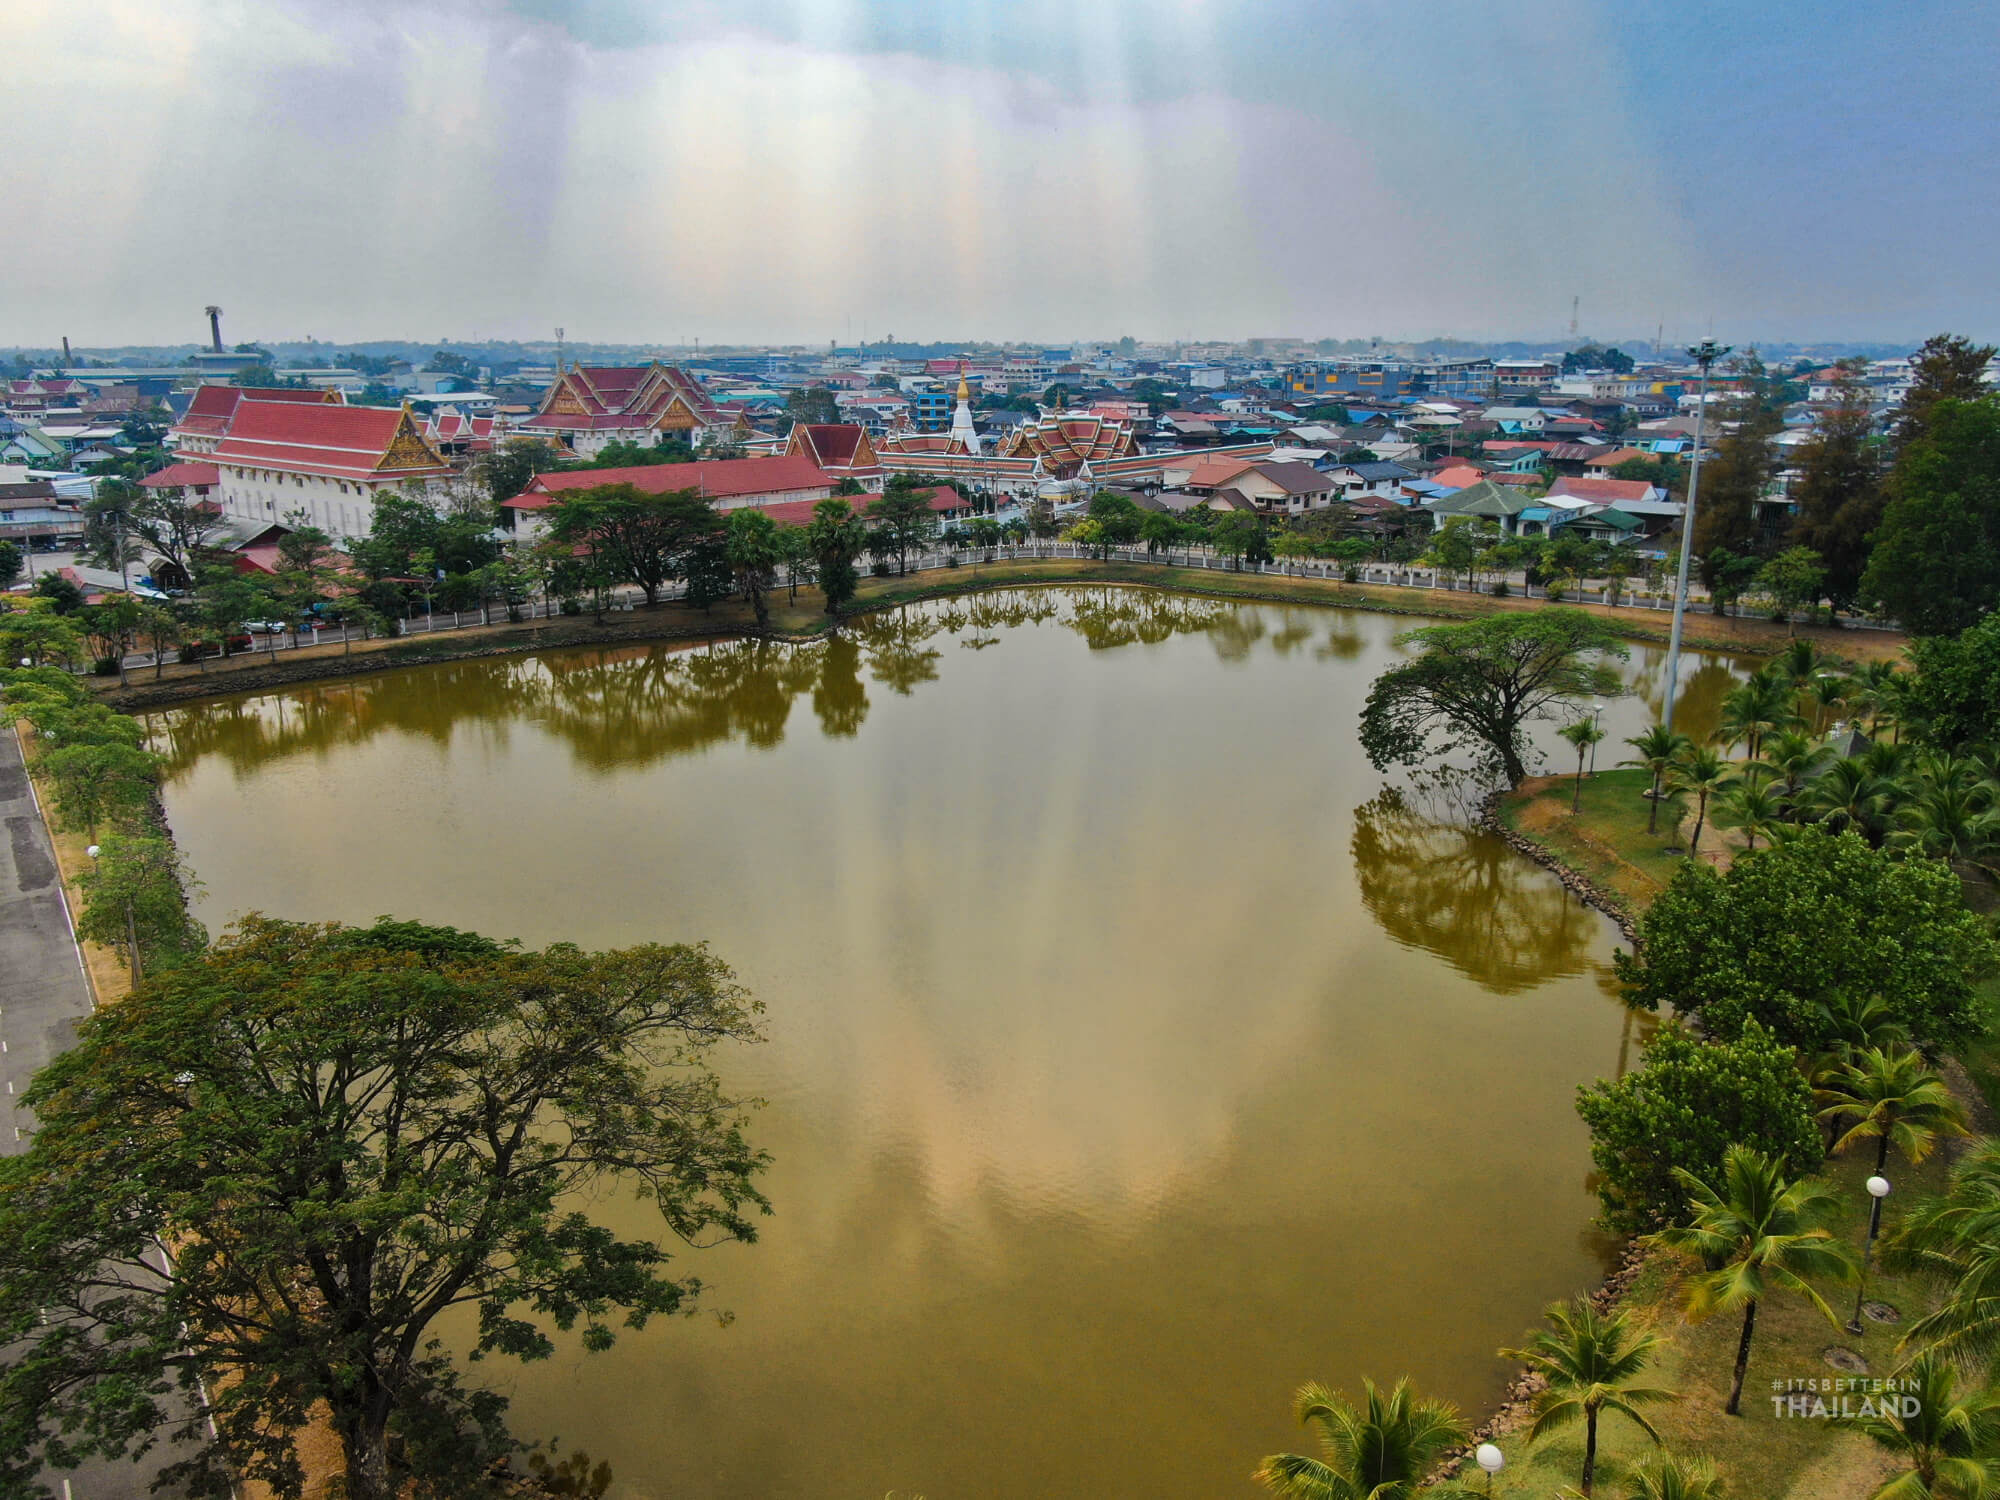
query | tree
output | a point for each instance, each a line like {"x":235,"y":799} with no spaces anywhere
{"x":754,"y":553}
{"x":796,"y":545}
{"x":1056,"y":397}
{"x":39,"y":634}
{"x":1381,"y":1449}
{"x":1738,"y":476}
{"x":1791,"y":931}
{"x":161,"y":627}
{"x":1118,"y":515}
{"x":508,"y":469}
{"x":369,"y":1127}
{"x":1481,"y":683}
{"x":1759,"y":705}
{"x":1838,"y":491}
{"x":175,"y":527}
{"x":1701,"y":771}
{"x":96,"y":783}
{"x":1898,"y":1100}
{"x":11,"y":564}
{"x":1759,"y":1234}
{"x":904,"y":513}
{"x":1954,"y":1240}
{"x":1954,"y":697}
{"x":65,"y":596}
{"x":1160,"y":531}
{"x":814,"y":405}
{"x":1590,"y":1360}
{"x":1582,"y":734}
{"x":1752,"y":807}
{"x":837,"y":537}
{"x":1660,"y":748}
{"x":135,"y":898}
{"x":1683,"y":1110}
{"x":1794,"y":580}
{"x":1952,"y":812}
{"x":1949,"y":1437}
{"x":1936,"y":563}
{"x":1950,"y":367}
{"x":227,"y":598}
{"x":646,"y":538}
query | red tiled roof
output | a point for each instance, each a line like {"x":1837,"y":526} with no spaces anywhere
{"x":340,"y":442}
{"x":1614,"y":457}
{"x":624,"y":396}
{"x":1210,"y":472}
{"x":1602,"y":491}
{"x":173,"y":476}
{"x":717,"y":479}
{"x":831,"y":444}
{"x":215,"y":405}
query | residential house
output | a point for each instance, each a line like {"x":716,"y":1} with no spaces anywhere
{"x":1484,"y":501}
{"x":1600,"y":464}
{"x":1380,"y":480}
{"x":30,"y":516}
{"x":1652,"y":506}
{"x":1517,"y":421}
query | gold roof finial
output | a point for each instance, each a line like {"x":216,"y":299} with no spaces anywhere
{"x":964,"y":391}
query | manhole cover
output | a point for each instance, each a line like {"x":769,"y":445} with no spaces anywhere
{"x":1845,"y":1360}
{"x":1882,"y":1312}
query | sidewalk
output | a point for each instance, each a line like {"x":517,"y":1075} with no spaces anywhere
{"x":43,"y":992}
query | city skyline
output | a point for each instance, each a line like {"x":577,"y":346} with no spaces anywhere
{"x":839,"y":170}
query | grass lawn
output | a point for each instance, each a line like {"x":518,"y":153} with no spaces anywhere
{"x":1608,"y":843}
{"x":1761,"y":1456}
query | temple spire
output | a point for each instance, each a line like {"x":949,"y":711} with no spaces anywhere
{"x":962,"y":430}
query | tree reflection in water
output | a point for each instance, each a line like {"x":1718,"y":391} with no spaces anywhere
{"x":1462,"y":894}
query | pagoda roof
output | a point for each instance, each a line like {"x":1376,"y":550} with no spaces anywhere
{"x":333,"y":442}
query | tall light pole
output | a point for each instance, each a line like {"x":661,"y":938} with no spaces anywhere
{"x":1878,"y":1189}
{"x":1705,"y":354}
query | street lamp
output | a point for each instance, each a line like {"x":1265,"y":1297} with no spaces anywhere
{"x":131,"y":926}
{"x":1705,"y":354}
{"x":1492,"y":1460}
{"x":1878,"y":1189}
{"x":1596,"y":713}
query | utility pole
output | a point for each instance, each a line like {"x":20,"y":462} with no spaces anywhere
{"x":1574,"y":303}
{"x":1705,"y":354}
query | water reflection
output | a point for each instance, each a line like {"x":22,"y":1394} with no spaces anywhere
{"x":1461,"y":893}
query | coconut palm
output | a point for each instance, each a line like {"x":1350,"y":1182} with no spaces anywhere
{"x":1590,"y":1360}
{"x":1754,"y":808}
{"x":1659,"y":747}
{"x":1899,"y":1102}
{"x":1952,"y":812}
{"x":1850,"y":1025}
{"x":1673,"y":1476}
{"x":1701,"y":771}
{"x":1761,"y":1234}
{"x":1798,"y":664}
{"x":1877,"y":690}
{"x":1955,"y":1240}
{"x":1794,"y":758}
{"x":1826,"y":692}
{"x":1949,"y":1437}
{"x":1849,"y":795}
{"x":1378,"y":1450}
{"x":1755,"y":707}
{"x":1583,"y":734}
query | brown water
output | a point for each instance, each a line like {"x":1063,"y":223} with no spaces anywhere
{"x":1132,"y":1058}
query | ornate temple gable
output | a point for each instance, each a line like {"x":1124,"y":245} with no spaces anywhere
{"x":677,"y":415}
{"x":407,"y":448}
{"x":864,"y":452}
{"x":564,"y":398}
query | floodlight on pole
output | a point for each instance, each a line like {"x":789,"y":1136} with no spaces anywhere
{"x":1704,"y":354}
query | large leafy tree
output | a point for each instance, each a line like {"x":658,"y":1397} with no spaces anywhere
{"x":1683,"y":1110}
{"x":646,"y":538}
{"x":1592,"y":1361}
{"x":1950,"y":367}
{"x":344,"y":1133}
{"x":1953,"y":699}
{"x":1480,"y":685}
{"x":1379,"y":1449}
{"x":1758,"y":1232}
{"x":1838,"y":491}
{"x":1936,"y":563}
{"x":1791,"y":931}
{"x":1740,"y":473}
{"x":836,"y":537}
{"x":755,"y":549}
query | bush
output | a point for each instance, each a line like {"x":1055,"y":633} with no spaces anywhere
{"x":572,"y":606}
{"x":1351,"y":573}
{"x":1802,"y":925}
{"x":105,"y":666}
{"x":194,"y":651}
{"x":1690,"y":1103}
{"x":951,"y":560}
{"x":881,"y":568}
{"x":1500,"y":589}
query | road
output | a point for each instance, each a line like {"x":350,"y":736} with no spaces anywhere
{"x":43,"y":994}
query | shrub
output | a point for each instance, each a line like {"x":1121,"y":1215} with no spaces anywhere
{"x":105,"y":666}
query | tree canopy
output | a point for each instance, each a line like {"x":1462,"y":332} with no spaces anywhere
{"x":646,"y":539}
{"x":1936,"y":563}
{"x":1793,"y":931}
{"x":1479,"y":685}
{"x":362,"y":1128}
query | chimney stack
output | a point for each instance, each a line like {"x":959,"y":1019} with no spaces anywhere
{"x":214,"y":328}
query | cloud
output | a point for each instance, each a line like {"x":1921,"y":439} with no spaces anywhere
{"x":1029,"y":170}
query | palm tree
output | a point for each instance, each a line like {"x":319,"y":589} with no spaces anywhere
{"x":1583,"y":734}
{"x":1847,"y":794}
{"x":1590,"y":1360}
{"x":1955,"y":1239}
{"x":1950,"y":1438}
{"x":1826,"y":692}
{"x":1900,"y":1102}
{"x":1761,"y":1234}
{"x":1793,"y":757}
{"x":1798,"y":664}
{"x":1701,"y":771}
{"x":1759,"y":705}
{"x":1379,"y":1450}
{"x":1672,"y":1476}
{"x":1755,"y":808}
{"x":1850,"y":1025}
{"x":1877,"y":687}
{"x":1659,"y":747}
{"x":754,"y":549}
{"x":1952,"y":813}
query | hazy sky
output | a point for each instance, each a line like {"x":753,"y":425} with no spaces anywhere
{"x":778,"y":170}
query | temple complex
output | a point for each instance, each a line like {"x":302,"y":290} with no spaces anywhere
{"x":590,"y":407}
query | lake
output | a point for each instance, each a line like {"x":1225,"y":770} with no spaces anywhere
{"x":1135,"y":1054}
